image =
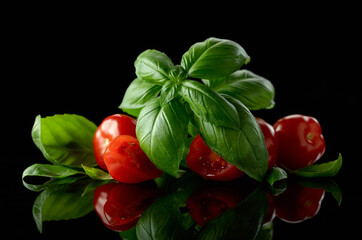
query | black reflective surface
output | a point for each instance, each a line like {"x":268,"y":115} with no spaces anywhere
{"x":78,"y":64}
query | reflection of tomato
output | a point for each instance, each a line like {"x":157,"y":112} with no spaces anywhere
{"x":298,"y":203}
{"x":270,"y":141}
{"x":111,"y":127}
{"x":205,"y":162}
{"x":300,"y":141}
{"x":210,"y":201}
{"x":127,"y":163}
{"x":120,"y":205}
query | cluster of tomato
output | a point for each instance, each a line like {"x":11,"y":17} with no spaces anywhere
{"x":293,"y":142}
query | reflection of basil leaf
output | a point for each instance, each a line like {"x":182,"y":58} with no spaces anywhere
{"x":328,"y":169}
{"x":241,"y":222}
{"x":65,"y":139}
{"x":162,"y":133}
{"x":62,"y":202}
{"x":162,"y":220}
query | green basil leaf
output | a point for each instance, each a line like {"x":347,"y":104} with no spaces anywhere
{"x":137,"y":95}
{"x":241,"y":222}
{"x":214,"y":58}
{"x":62,"y":202}
{"x":59,"y":174}
{"x":208,"y":105}
{"x":96,"y":173}
{"x":328,"y":169}
{"x":243,"y":147}
{"x":162,"y":133}
{"x":253,"y":91}
{"x":65,"y":139}
{"x":153,"y":66}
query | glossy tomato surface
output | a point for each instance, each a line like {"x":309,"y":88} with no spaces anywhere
{"x":270,"y":139}
{"x":300,"y":141}
{"x":120,"y":205}
{"x":205,"y":162}
{"x":127,"y":163}
{"x":111,"y":127}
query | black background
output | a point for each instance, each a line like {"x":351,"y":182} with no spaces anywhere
{"x":71,"y":59}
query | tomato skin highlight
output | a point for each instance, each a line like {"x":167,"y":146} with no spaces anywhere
{"x":111,"y":127}
{"x":300,"y":141}
{"x":205,"y":162}
{"x":271,"y":141}
{"x":120,"y":205}
{"x":127,"y":163}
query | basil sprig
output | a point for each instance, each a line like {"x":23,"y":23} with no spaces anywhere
{"x":207,"y":94}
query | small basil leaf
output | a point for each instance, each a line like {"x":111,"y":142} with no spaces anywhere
{"x":137,"y":95}
{"x":243,"y":147}
{"x":65,"y":139}
{"x":208,"y":105}
{"x":96,"y":173}
{"x":213,"y":58}
{"x":253,"y":91}
{"x":162,"y":133}
{"x":59,"y":174}
{"x":328,"y":169}
{"x":153,"y":66}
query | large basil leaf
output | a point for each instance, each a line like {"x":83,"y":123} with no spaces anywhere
{"x":137,"y":95}
{"x":162,"y":133}
{"x":243,"y":147}
{"x":208,"y":105}
{"x":241,"y":222}
{"x":65,"y":139}
{"x":153,"y":66}
{"x":213,"y":58}
{"x":253,"y":91}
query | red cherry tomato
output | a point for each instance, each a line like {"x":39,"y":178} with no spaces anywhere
{"x":120,"y":205}
{"x":300,"y":141}
{"x":111,"y":127}
{"x":205,"y":162}
{"x":127,"y":163}
{"x":298,"y":203}
{"x":270,"y":141}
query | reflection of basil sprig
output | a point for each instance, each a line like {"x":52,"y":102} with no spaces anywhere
{"x":206,"y":94}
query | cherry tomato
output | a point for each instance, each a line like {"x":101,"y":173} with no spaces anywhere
{"x":300,"y":141}
{"x":205,"y":162}
{"x":111,"y":127}
{"x":120,"y":205}
{"x":127,"y":163}
{"x":270,"y":141}
{"x":298,"y":203}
